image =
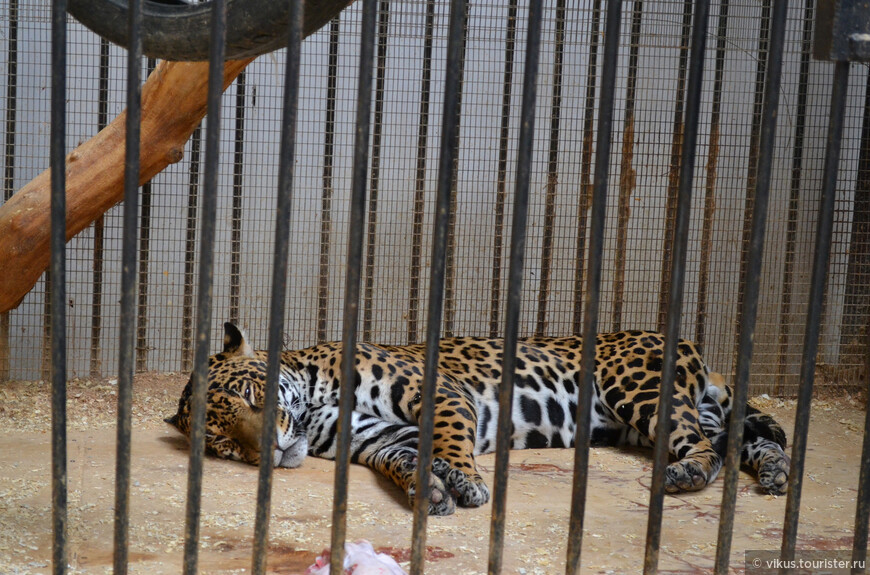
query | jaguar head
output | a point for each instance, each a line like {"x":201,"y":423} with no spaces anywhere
{"x":234,"y":407}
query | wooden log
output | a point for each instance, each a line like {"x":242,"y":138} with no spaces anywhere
{"x":173,"y":104}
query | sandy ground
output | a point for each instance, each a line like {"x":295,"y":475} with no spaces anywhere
{"x":538,"y":499}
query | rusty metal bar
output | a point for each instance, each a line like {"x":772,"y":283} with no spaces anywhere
{"x":626,"y":168}
{"x":501,"y":178}
{"x":593,"y":285}
{"x":352,"y":283}
{"x":420,"y":177}
{"x":515,"y":285}
{"x":127,"y":328}
{"x":328,"y":190}
{"x":437,"y":275}
{"x":751,"y":289}
{"x":279,"y":285}
{"x":552,"y":172}
{"x":677,"y":276}
{"x":204,"y":299}
{"x":586,"y":190}
{"x":824,"y":231}
{"x":57,"y":274}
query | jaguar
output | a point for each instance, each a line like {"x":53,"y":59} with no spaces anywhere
{"x":387,"y":405}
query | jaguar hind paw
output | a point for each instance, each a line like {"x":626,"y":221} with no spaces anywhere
{"x":684,"y":476}
{"x":441,"y":502}
{"x":470,"y":489}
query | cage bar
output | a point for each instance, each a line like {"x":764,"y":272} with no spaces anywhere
{"x":817,"y":291}
{"x":279,"y":284}
{"x":749,"y":302}
{"x":9,"y":151}
{"x":238,"y":192}
{"x":352,"y":283}
{"x":204,"y":298}
{"x":128,"y":323}
{"x":144,"y":259}
{"x":187,"y":310}
{"x":593,"y":285}
{"x":515,"y":285}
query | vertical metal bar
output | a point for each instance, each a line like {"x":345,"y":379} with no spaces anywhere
{"x":626,"y":168}
{"x":552,"y":172}
{"x":677,"y":275}
{"x":501,"y":178}
{"x":279,"y":285}
{"x":352,"y":283}
{"x":327,"y":193}
{"x":238,"y":183}
{"x":374,"y":186}
{"x":824,"y":231}
{"x":9,"y":169}
{"x":593,"y":285}
{"x":420,"y":179}
{"x":677,"y":146}
{"x":753,"y":276}
{"x":586,"y":189}
{"x":862,"y":507}
{"x":794,"y":196}
{"x":189,"y":250}
{"x":754,"y":148}
{"x":96,"y":367}
{"x":711,"y":177}
{"x":217,"y":50}
{"x":144,"y":258}
{"x":57,"y":274}
{"x":437,"y":273}
{"x":515,"y":285}
{"x":127,"y":328}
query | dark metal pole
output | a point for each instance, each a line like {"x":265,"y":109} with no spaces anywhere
{"x":279,"y":285}
{"x":437,"y":273}
{"x":515,"y":285}
{"x":750,"y":290}
{"x":57,"y":275}
{"x":677,"y":275}
{"x":593,"y":285}
{"x":352,"y":283}
{"x":206,"y":273}
{"x":824,"y":231}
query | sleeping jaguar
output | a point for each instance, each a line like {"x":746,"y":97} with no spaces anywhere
{"x":387,"y":406}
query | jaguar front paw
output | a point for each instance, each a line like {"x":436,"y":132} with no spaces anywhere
{"x":470,"y":489}
{"x":773,"y":474}
{"x":441,"y":502}
{"x":685,"y":476}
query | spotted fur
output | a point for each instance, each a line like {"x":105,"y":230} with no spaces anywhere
{"x":387,"y":408}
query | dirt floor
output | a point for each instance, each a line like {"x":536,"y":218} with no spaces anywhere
{"x":538,"y":500}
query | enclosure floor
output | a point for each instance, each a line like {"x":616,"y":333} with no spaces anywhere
{"x":539,"y":497}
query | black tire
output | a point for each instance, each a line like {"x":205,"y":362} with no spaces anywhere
{"x":173,"y":30}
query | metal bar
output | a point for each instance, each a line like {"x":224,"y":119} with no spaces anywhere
{"x":501,"y":178}
{"x":206,"y":272}
{"x":586,"y":188}
{"x":677,"y":146}
{"x":189,"y":250}
{"x":794,"y":196}
{"x":552,"y":172}
{"x":327,"y":193}
{"x":437,"y":273}
{"x":144,"y":258}
{"x":420,"y":179}
{"x":375,"y":177}
{"x":824,"y":231}
{"x":515,"y":285}
{"x":96,"y":367}
{"x":57,"y":274}
{"x":750,"y":290}
{"x":862,"y":507}
{"x":352,"y":283}
{"x":677,"y":276}
{"x":238,"y":187}
{"x":9,"y":169}
{"x":279,"y":285}
{"x":593,"y":285}
{"x":711,"y":173}
{"x":127,"y":328}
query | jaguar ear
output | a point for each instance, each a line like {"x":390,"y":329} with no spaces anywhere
{"x":235,"y":342}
